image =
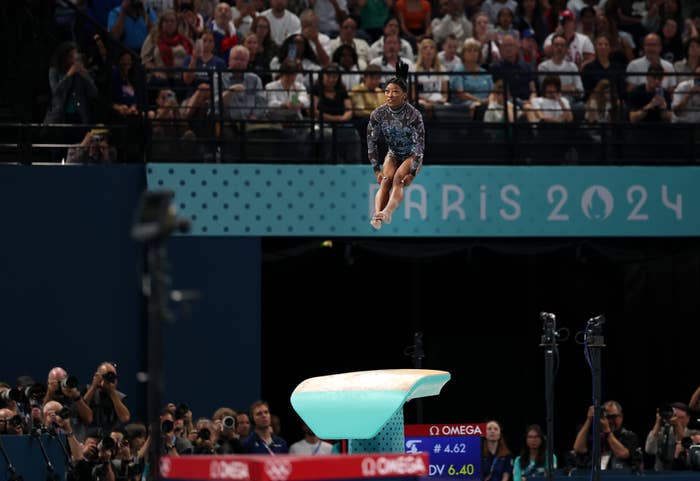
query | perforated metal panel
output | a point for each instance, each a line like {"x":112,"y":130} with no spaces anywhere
{"x":389,"y":440}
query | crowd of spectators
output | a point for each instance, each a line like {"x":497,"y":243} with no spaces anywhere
{"x":604,"y":55}
{"x":105,"y":442}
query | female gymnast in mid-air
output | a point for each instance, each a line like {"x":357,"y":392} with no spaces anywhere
{"x":401,"y":124}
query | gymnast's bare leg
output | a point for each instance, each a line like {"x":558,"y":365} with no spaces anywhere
{"x":401,"y":179}
{"x":384,"y":179}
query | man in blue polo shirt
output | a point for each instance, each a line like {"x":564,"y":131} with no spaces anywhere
{"x":130,"y":23}
{"x":262,"y":440}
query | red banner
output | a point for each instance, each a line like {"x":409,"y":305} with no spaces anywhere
{"x":294,"y":468}
{"x":428,"y":430}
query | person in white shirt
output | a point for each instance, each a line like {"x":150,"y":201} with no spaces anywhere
{"x":552,"y":106}
{"x":348,"y":36}
{"x":286,"y":97}
{"x":639,"y":67}
{"x":580,"y":49}
{"x":448,"y":54}
{"x":320,"y":42}
{"x":391,"y":27}
{"x":571,"y":84}
{"x":686,"y":100}
{"x":310,"y":444}
{"x":330,"y":14}
{"x":283,"y":23}
{"x":492,"y":7}
{"x":390,"y":58}
{"x":452,"y":21}
{"x":243,"y":14}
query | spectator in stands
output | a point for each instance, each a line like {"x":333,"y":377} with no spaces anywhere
{"x":650,"y":102}
{"x":168,"y":124}
{"x":391,"y":27}
{"x":631,"y":18}
{"x":256,"y":63}
{"x":106,"y":402}
{"x":73,"y":90}
{"x":67,"y":393}
{"x":331,"y":14}
{"x":473,"y":86}
{"x":498,"y":111}
{"x":517,"y":75}
{"x":692,"y":24}
{"x":368,"y":95}
{"x":243,"y":14}
{"x":504,"y":24}
{"x":580,"y":47}
{"x":283,"y":23}
{"x":262,"y":440}
{"x":447,"y":55}
{"x":346,"y":58}
{"x":189,"y":21}
{"x":348,"y":36}
{"x":431,"y":84}
{"x":566,"y":71}
{"x":287,"y":97}
{"x":690,"y":61}
{"x":621,"y":43}
{"x":391,"y":57}
{"x":601,"y":106}
{"x":94,"y":149}
{"x":668,"y":432}
{"x":619,"y":446}
{"x":532,"y":460}
{"x":130,"y":23}
{"x":686,"y":100}
{"x":529,"y":50}
{"x":333,"y":108}
{"x":604,"y":67}
{"x":224,"y":30}
{"x":267,"y":49}
{"x":414,"y":20}
{"x":483,"y":32}
{"x":242,"y":425}
{"x":165,"y":47}
{"x":671,"y":40}
{"x":493,"y":7}
{"x":496,"y":459}
{"x":451,"y":21}
{"x":529,"y":16}
{"x":202,"y":58}
{"x":552,"y":106}
{"x":319,"y":41}
{"x":638,"y":68}
{"x":310,"y":444}
{"x":373,"y":17}
{"x":126,"y":96}
{"x":298,"y":49}
{"x":243,"y":93}
{"x":682,"y":456}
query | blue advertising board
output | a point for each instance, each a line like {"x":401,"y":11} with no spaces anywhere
{"x":454,"y":449}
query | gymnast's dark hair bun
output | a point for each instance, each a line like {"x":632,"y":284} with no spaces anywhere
{"x":402,"y":70}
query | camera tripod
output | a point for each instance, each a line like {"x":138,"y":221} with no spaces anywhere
{"x":14,"y":476}
{"x":51,"y":474}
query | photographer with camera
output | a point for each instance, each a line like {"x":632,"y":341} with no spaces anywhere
{"x":105,"y":401}
{"x":619,"y":446}
{"x":206,"y":441}
{"x":64,"y":388}
{"x":94,"y":149}
{"x":665,"y":440}
{"x":11,"y":423}
{"x":173,"y":442}
{"x":225,"y":426}
{"x":126,"y":466}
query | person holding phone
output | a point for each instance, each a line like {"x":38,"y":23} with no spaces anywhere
{"x":649,"y":102}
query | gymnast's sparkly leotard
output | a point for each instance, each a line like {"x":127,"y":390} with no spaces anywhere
{"x":403,"y":132}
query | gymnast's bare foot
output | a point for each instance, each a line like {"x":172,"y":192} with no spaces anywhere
{"x":376,"y":220}
{"x":386,"y":216}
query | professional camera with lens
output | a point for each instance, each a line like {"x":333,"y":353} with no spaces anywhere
{"x":107,"y":444}
{"x":167,"y":426}
{"x":69,"y":382}
{"x":228,"y":422}
{"x":666,"y":413}
{"x":204,"y":434}
{"x":16,"y":420}
{"x":64,"y":413}
{"x":11,"y":395}
{"x":109,"y":377}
